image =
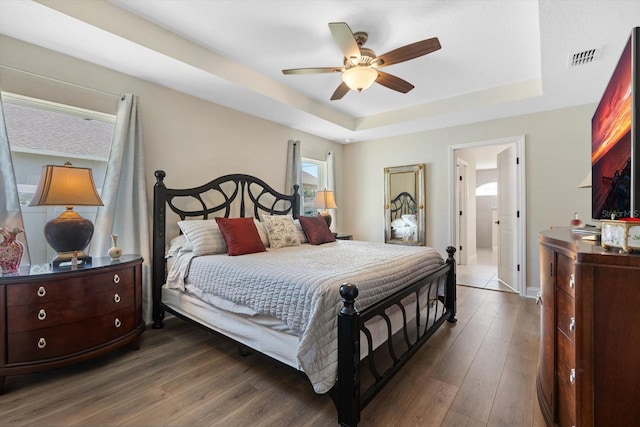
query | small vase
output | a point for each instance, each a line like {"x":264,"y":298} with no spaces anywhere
{"x":10,"y":250}
{"x":115,"y":251}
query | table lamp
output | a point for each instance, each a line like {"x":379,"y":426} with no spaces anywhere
{"x":325,"y":200}
{"x":69,"y":234}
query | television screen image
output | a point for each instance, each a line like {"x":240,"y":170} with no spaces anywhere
{"x":612,"y":145}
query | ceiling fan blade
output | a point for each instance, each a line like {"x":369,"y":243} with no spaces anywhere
{"x":407,"y":52}
{"x":313,"y":70}
{"x":340,"y":91}
{"x":343,"y":36}
{"x":393,"y":82}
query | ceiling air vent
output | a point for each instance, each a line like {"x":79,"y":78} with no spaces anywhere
{"x":583,"y":58}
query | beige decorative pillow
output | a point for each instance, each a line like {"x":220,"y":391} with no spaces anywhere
{"x":281,"y":230}
{"x":204,"y":236}
{"x":301,"y":236}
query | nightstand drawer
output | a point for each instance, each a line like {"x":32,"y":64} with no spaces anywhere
{"x":64,"y":340}
{"x":45,"y":315}
{"x":78,"y":285}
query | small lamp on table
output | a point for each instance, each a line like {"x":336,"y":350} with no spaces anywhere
{"x":325,"y":200}
{"x":69,"y":234}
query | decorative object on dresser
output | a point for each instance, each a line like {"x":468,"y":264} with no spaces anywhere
{"x":325,"y":200}
{"x":11,"y":250}
{"x":588,"y":370}
{"x":68,"y":234}
{"x":622,"y":233}
{"x":296,"y":285}
{"x":115,"y":251}
{"x":53,"y":318}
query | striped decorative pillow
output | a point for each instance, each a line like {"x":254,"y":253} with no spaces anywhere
{"x":205,"y":236}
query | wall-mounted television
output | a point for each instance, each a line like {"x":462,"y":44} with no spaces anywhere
{"x":615,"y":147}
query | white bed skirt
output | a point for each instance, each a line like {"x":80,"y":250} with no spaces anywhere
{"x":267,"y":334}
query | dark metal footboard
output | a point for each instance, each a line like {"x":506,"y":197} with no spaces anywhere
{"x":350,"y":394}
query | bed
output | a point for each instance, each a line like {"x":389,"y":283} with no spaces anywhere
{"x":404,"y":224}
{"x":347,"y":314}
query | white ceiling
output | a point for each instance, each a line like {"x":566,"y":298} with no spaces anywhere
{"x":499,"y":58}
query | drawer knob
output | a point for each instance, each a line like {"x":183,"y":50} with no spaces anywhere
{"x":42,"y":314}
{"x":572,"y":376}
{"x":117,"y":323}
{"x":572,"y":281}
{"x":572,"y":324}
{"x":116,"y":278}
{"x":42,"y":291}
{"x":42,"y":343}
{"x":116,"y":298}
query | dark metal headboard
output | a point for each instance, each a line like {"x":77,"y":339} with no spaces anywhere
{"x":236,"y":191}
{"x":404,"y":203}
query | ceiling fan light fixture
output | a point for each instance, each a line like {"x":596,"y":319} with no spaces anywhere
{"x":359,"y":78}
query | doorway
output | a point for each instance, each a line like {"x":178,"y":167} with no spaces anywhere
{"x":494,"y":231}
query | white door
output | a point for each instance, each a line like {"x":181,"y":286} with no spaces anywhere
{"x":507,"y":218}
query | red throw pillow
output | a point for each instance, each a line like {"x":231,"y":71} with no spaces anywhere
{"x":316,"y":230}
{"x":240,"y":235}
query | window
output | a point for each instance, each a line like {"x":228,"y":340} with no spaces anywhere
{"x":488,"y":189}
{"x":314,"y":177}
{"x":41,"y":133}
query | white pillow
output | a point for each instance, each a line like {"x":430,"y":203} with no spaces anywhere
{"x":204,"y":236}
{"x":262,"y":231}
{"x":301,"y":236}
{"x":410,"y":219}
{"x":281,"y":230}
{"x":177,"y":245}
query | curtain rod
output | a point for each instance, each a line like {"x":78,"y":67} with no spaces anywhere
{"x":61,"y":81}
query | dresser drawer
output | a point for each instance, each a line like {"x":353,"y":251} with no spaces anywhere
{"x":566,"y":403}
{"x":64,"y":340}
{"x":565,"y":273}
{"x":75,"y":286}
{"x":566,"y":314}
{"x":22,"y":318}
{"x":566,"y":364}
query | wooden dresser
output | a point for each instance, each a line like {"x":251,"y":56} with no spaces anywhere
{"x":50,"y":319}
{"x":589,"y":361}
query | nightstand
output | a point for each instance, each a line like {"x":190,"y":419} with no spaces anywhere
{"x":343,"y":236}
{"x":50,"y":319}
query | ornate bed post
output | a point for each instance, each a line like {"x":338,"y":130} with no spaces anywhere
{"x":347,"y":399}
{"x":450,"y":301}
{"x":158,"y":273}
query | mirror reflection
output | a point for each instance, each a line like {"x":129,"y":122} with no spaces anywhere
{"x":404,"y":205}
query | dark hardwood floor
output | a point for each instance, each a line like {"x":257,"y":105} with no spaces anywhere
{"x":477,"y":372}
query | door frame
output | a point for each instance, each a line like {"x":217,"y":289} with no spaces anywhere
{"x":521,"y":200}
{"x":460,"y":223}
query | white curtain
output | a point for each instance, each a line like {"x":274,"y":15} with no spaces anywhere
{"x":10,"y":213}
{"x":331,"y":184}
{"x":294,"y":170}
{"x":124,"y":195}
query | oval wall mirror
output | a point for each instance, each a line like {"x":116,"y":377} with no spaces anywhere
{"x":404,"y":205}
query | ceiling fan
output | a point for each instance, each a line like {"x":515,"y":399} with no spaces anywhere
{"x":361,"y":65}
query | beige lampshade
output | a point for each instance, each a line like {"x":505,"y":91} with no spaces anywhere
{"x":586,"y":181}
{"x":359,"y":78}
{"x":324,"y":200}
{"x":66,"y":186}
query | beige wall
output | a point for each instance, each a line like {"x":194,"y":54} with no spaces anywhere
{"x":191,"y":139}
{"x":194,"y":140}
{"x":557,"y":158}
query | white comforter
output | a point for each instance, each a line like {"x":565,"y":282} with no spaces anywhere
{"x":300,"y":286}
